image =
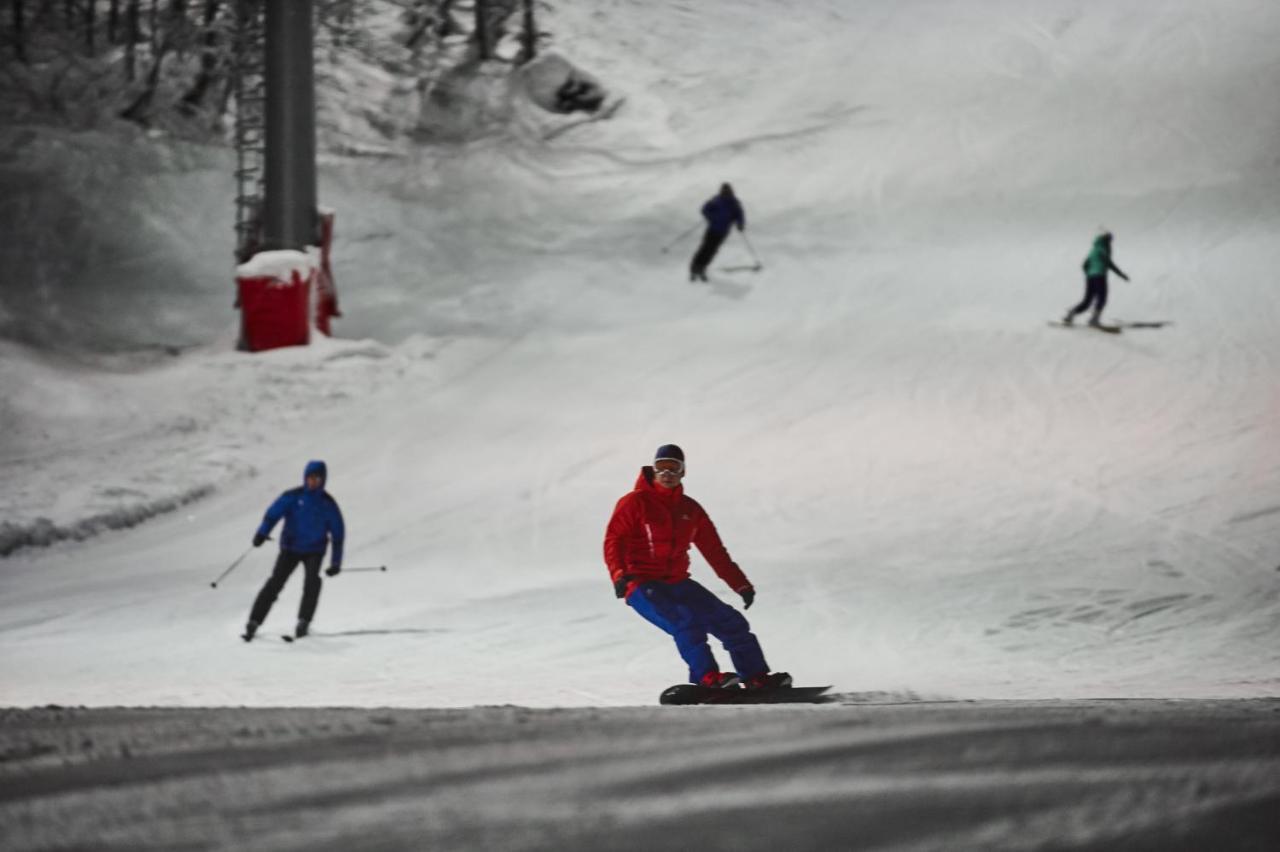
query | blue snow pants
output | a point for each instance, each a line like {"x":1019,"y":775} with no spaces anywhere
{"x":688,"y":612}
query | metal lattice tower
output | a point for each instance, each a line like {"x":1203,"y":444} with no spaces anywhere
{"x":250,"y":125}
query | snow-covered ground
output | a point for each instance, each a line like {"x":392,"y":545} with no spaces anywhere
{"x":1095,"y":775}
{"x":934,"y":492}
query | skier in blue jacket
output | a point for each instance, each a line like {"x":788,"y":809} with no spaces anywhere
{"x":722,"y":212}
{"x":311,"y":519}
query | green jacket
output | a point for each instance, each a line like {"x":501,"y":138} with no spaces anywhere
{"x":1099,"y":259}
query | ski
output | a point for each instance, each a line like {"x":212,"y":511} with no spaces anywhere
{"x":1109,"y":329}
{"x":692,"y":693}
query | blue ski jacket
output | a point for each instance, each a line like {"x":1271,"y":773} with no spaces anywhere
{"x":311,"y":518}
{"x":723,"y":212}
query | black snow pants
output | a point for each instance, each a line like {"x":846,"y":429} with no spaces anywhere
{"x":1095,"y":293}
{"x":285,"y":563}
{"x":711,"y":242}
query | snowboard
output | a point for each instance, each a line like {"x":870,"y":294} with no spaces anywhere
{"x":285,"y":636}
{"x":1109,"y":329}
{"x":692,"y":693}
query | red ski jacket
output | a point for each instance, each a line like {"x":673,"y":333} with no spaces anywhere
{"x":650,"y":532}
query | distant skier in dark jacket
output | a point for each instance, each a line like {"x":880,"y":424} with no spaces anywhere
{"x":646,"y":548}
{"x":311,"y":520}
{"x":1095,"y":281}
{"x":722,"y":212}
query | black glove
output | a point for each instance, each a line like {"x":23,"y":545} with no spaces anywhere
{"x":333,"y":570}
{"x":258,"y":539}
{"x":748,"y":596}
{"x":620,"y":586}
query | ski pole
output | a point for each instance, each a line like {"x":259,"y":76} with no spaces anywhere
{"x":232,"y":567}
{"x":683,"y":234}
{"x":365,"y":568}
{"x":751,"y":249}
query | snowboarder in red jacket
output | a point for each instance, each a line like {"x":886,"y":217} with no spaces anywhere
{"x":646,"y":547}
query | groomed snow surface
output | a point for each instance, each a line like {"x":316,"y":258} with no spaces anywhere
{"x":1133,"y":775}
{"x":937,"y":495}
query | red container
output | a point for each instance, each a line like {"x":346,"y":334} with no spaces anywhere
{"x":275,"y":297}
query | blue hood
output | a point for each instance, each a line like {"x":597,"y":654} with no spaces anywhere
{"x":316,"y":468}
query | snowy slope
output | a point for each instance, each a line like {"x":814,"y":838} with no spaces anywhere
{"x":934,"y":492}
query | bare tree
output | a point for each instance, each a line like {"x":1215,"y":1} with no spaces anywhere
{"x":448,"y":26}
{"x":420,"y":22}
{"x":141,"y":106}
{"x":484,"y":44}
{"x":131,"y":39}
{"x":179,"y":26}
{"x":528,"y":34}
{"x":90,"y":7}
{"x":113,"y":21}
{"x":338,"y":17}
{"x":19,"y":32}
{"x":194,"y":97}
{"x":430,"y":17}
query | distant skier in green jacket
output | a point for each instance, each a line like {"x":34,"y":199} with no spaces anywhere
{"x":1095,"y":279}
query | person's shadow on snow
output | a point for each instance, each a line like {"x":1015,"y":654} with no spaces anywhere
{"x":419,"y":631}
{"x":728,"y":289}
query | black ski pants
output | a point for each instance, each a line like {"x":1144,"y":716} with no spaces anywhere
{"x":285,"y":563}
{"x":711,"y":242}
{"x":1095,"y":293}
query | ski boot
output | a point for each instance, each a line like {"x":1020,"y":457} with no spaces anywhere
{"x":720,"y":680}
{"x":249,"y":630}
{"x":777,"y":680}
{"x":303,"y":628}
